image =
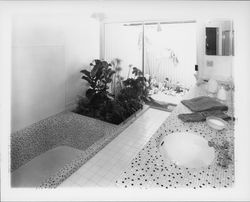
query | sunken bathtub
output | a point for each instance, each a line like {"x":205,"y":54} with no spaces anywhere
{"x":47,"y":152}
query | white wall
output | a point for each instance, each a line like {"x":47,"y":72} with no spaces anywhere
{"x":221,"y":69}
{"x":48,"y":52}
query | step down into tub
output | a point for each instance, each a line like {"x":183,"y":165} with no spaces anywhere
{"x":33,"y":173}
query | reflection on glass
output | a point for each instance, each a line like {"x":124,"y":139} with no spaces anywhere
{"x":220,"y":38}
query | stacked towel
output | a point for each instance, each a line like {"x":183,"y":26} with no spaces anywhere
{"x":216,"y":113}
{"x":204,"y":103}
{"x":192,"y":117}
{"x":201,"y":116}
{"x":203,"y":107}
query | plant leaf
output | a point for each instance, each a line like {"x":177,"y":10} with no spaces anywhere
{"x":89,"y":93}
{"x":94,"y":70}
{"x":87,"y":79}
{"x":86,"y":72}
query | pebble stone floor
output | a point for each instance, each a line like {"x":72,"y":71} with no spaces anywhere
{"x":107,"y":165}
{"x":149,"y":169}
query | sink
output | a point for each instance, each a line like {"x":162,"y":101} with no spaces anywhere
{"x":187,"y":149}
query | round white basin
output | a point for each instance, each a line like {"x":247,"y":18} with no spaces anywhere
{"x":187,"y":149}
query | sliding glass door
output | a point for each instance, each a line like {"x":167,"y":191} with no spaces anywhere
{"x":124,"y":43}
{"x":170,"y":52}
{"x":165,"y":51}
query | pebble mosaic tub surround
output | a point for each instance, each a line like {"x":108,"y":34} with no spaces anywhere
{"x":149,"y":169}
{"x":64,"y":129}
{"x":36,"y":139}
{"x":69,"y":129}
{"x":56,"y":179}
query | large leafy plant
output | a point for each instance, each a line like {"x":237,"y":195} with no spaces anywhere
{"x":134,"y":93}
{"x":136,"y":87}
{"x":98,"y":78}
{"x":99,"y":103}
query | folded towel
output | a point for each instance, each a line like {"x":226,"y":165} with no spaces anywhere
{"x":204,"y":103}
{"x":201,"y":116}
{"x":192,"y":117}
{"x":216,"y":113}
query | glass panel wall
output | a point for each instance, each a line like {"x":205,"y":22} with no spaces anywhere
{"x":165,"y":52}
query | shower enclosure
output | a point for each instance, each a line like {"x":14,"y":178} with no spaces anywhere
{"x":165,"y":51}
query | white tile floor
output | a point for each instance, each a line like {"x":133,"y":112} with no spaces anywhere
{"x":108,"y":164}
